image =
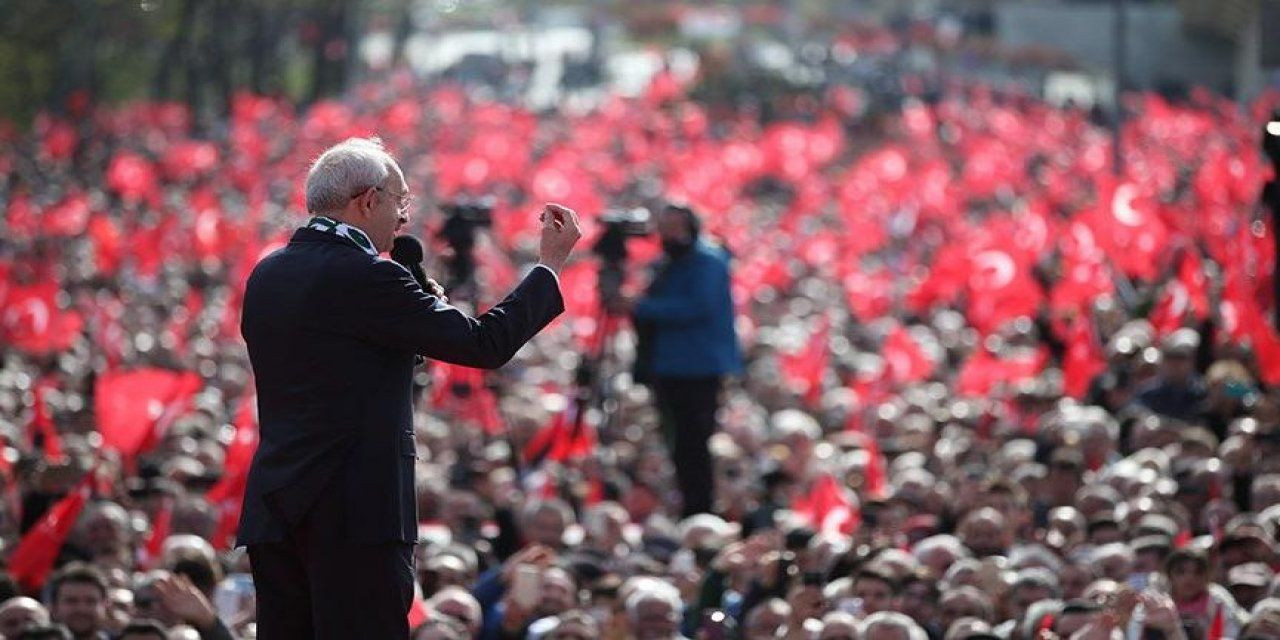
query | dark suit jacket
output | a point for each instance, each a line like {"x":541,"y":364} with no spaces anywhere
{"x":332,"y":334}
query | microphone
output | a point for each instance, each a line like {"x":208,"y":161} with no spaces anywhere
{"x":407,"y":251}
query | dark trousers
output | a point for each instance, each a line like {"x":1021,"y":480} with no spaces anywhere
{"x":318,"y":585}
{"x":687,"y":407}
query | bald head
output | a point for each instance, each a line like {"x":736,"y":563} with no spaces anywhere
{"x":19,"y":613}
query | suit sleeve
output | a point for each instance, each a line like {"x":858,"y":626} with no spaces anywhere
{"x":690,"y":306}
{"x":388,"y":307}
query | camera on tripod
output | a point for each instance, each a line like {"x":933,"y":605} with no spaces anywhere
{"x":611,"y":248}
{"x":477,"y":212}
{"x":461,"y":220}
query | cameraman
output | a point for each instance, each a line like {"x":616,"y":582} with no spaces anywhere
{"x":687,"y":345}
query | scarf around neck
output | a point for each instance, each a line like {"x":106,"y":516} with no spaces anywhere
{"x":343,"y":230}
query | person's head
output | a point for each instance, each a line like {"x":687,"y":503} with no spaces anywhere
{"x":559,"y":592}
{"x":1187,"y":570}
{"x":839,"y":625}
{"x":357,"y":182}
{"x":574,"y":625}
{"x":105,"y":528}
{"x":964,"y":602}
{"x":459,"y":604}
{"x":653,"y":611}
{"x":1177,"y":362}
{"x":876,"y":590}
{"x":889,"y":625}
{"x":143,"y":630}
{"x":544,"y":522}
{"x":937,"y":553}
{"x":1029,"y":587}
{"x":20,"y":613}
{"x":78,"y":598}
{"x":766,"y":619}
{"x":605,"y":524}
{"x":678,"y":227}
{"x":984,"y":532}
{"x":45,"y":632}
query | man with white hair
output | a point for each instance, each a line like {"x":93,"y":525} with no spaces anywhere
{"x":890,"y":625}
{"x":653,"y":611}
{"x":334,"y":332}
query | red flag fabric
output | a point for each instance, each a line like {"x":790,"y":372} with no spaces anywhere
{"x":160,"y":529}
{"x":32,"y":561}
{"x":462,"y":391}
{"x":905,"y":359}
{"x":1217,"y":626}
{"x":227,"y":495}
{"x":805,"y":368}
{"x":417,"y":609}
{"x":1000,"y":289}
{"x":33,"y":322}
{"x":135,"y":407}
{"x":42,"y":427}
{"x":565,"y":437}
{"x":827,"y":507}
{"x":983,"y":371}
{"x":1083,"y":360}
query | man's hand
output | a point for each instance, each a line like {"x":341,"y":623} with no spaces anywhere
{"x":560,"y":231}
{"x":436,"y":290}
{"x":184,"y":600}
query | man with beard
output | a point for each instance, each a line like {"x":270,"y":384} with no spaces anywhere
{"x":78,"y":599}
{"x":688,"y":346}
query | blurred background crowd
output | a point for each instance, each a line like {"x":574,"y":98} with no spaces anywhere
{"x":1010,"y":360}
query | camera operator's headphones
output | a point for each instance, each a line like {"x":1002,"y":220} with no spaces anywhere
{"x":690,"y":218}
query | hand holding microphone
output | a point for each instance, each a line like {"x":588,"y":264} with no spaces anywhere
{"x":407,"y":251}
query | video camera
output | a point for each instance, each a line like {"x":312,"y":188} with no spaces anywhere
{"x":476,"y":212}
{"x":461,"y":219}
{"x":619,"y":225}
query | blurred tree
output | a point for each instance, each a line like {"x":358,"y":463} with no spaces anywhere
{"x":55,"y":54}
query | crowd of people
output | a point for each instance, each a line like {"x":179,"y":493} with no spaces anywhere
{"x":992,"y":387}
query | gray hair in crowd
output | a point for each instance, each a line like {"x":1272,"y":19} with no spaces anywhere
{"x":892,"y":619}
{"x":344,"y":170}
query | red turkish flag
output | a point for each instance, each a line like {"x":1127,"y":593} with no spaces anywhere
{"x":32,"y":321}
{"x":1083,"y":359}
{"x":983,"y":371}
{"x":69,"y":217}
{"x":1130,"y":231}
{"x":32,"y":561}
{"x":135,"y":407}
{"x":806,"y":368}
{"x":1000,"y":289}
{"x":132,"y":177}
{"x":905,"y":360}
{"x":828,"y":507}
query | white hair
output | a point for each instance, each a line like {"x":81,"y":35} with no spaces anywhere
{"x":944,"y":541}
{"x":892,"y":619}
{"x":346,"y":169}
{"x":654,"y":590}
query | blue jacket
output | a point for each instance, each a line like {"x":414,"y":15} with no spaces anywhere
{"x":689,"y":312}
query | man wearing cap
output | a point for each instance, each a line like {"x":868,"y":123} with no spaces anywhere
{"x":1249,"y":582}
{"x":1178,"y":391}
